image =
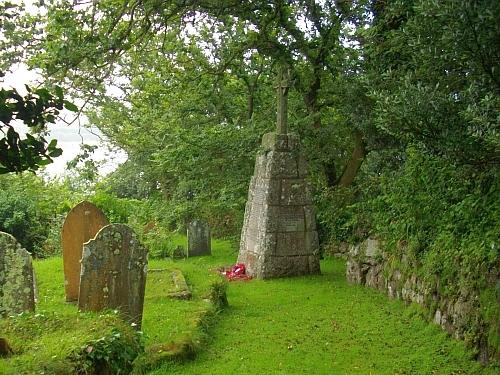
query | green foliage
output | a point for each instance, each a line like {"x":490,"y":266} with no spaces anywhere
{"x":417,"y":89}
{"x":38,"y":108}
{"x":431,"y":198}
{"x":19,"y":217}
{"x":132,"y":179}
{"x":82,"y":173}
{"x":192,"y":109}
{"x":218,"y":294}
{"x":290,"y":326}
{"x":35,"y":110}
{"x":117,"y":210}
{"x":158,"y":241}
{"x":433,"y":74}
{"x":429,"y":186}
{"x":441,"y":220}
{"x":59,"y":343}
{"x":112,"y":353}
{"x":334,"y":215}
{"x":32,"y":211}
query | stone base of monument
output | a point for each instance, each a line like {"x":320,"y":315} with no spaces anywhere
{"x":279,"y":236}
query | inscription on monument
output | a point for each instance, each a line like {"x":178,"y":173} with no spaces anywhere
{"x":292,"y":222}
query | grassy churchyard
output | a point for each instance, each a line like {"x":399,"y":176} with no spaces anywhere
{"x":304,"y":325}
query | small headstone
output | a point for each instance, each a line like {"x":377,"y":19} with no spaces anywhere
{"x":81,"y":224}
{"x":178,"y":252}
{"x":16,"y":277}
{"x":198,"y":236}
{"x":113,"y":273}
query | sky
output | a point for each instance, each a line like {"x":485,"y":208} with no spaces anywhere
{"x":69,"y":137}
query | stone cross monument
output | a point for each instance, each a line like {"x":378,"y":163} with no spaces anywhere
{"x":279,"y":236}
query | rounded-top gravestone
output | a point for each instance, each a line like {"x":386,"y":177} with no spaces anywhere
{"x":113,"y":273}
{"x":82,"y":224}
{"x":16,"y":277}
{"x":198,"y":237}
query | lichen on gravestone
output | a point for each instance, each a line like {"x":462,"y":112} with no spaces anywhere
{"x":113,"y":273}
{"x":16,"y":277}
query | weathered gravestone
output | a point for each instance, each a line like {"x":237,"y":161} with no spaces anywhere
{"x":113,"y":273}
{"x":178,"y":252}
{"x":81,"y":224}
{"x":16,"y":277}
{"x":198,"y":237}
{"x":279,"y":236}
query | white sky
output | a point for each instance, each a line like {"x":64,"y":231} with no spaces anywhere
{"x":69,"y":137}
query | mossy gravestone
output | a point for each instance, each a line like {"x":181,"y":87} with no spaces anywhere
{"x":81,"y":224}
{"x":113,"y":273}
{"x":16,"y":277}
{"x":198,"y":237}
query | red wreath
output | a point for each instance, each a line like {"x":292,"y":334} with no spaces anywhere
{"x":236,"y":272}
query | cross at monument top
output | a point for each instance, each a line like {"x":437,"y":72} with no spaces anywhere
{"x":282,"y":88}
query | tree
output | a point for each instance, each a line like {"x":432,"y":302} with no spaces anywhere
{"x":434,"y":77}
{"x":89,"y":44}
{"x":35,"y":110}
{"x":32,"y":210}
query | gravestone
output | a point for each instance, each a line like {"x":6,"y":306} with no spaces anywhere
{"x":178,"y":252}
{"x":16,"y":277}
{"x":81,"y":224}
{"x":198,"y":237}
{"x":279,"y":236}
{"x":113,"y":273}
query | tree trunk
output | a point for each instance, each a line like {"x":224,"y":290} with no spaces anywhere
{"x":250,"y":105}
{"x":311,"y":101}
{"x":354,"y":163}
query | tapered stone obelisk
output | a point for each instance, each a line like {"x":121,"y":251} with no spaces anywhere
{"x":279,"y":236}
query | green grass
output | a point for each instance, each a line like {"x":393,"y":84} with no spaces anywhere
{"x":323,"y":325}
{"x":305,"y":325}
{"x":44,"y":340}
{"x":178,"y":318}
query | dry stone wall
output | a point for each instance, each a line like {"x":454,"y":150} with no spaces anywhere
{"x":367,"y":264}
